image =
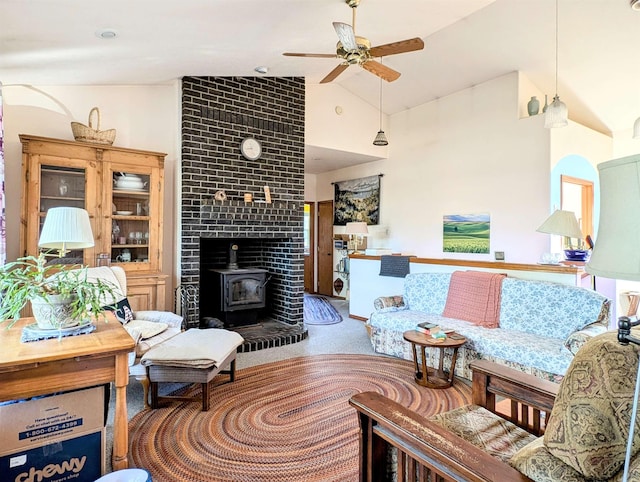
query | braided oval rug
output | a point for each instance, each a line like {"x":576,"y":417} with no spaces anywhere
{"x":282,"y":421}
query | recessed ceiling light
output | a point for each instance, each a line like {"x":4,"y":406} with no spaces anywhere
{"x":635,"y":4}
{"x":262,"y":69}
{"x":106,"y":33}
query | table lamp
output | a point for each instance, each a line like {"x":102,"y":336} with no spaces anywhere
{"x":66,"y":228}
{"x":616,"y":253}
{"x":564,"y":223}
{"x":356,"y":231}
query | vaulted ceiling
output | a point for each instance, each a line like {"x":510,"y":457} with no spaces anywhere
{"x":467,"y":42}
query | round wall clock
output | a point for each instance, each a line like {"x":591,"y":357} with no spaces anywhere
{"x":251,"y":148}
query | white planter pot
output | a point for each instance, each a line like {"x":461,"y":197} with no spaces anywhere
{"x":54,"y":312}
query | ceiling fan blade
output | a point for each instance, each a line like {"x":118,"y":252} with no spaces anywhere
{"x":334,"y":73}
{"x":380,"y":70}
{"x":400,"y":47}
{"x":318,"y":56}
{"x":346,"y":35}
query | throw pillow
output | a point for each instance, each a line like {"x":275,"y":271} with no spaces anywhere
{"x":589,"y":423}
{"x":389,"y":303}
{"x":147,"y":329}
{"x":122,"y":310}
{"x":578,"y":338}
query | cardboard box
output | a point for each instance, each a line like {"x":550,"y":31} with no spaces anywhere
{"x":78,"y":458}
{"x":53,"y":439}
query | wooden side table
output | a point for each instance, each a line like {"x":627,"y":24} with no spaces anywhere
{"x":427,"y":376}
{"x":68,"y":363}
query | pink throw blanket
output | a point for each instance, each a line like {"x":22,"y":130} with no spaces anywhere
{"x":474,"y":296}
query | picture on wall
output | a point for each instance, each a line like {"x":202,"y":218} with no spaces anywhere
{"x":357,"y":200}
{"x":466,"y":233}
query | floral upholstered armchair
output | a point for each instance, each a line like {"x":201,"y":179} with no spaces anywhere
{"x":573,"y":432}
{"x":147,"y":328}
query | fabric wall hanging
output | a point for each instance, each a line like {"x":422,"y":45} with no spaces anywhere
{"x":357,"y":200}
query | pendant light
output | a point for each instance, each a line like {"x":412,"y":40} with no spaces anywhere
{"x":557,"y":113}
{"x":381,"y":138}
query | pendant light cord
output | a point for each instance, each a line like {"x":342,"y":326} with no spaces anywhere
{"x":556,"y":48}
{"x":380,"y":107}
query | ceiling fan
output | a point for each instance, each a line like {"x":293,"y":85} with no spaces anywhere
{"x":357,"y":50}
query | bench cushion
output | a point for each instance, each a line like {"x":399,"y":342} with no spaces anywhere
{"x":490,"y":433}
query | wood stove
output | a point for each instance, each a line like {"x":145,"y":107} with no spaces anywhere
{"x":239,"y":294}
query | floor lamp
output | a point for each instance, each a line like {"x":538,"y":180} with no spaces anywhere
{"x":616,"y":253}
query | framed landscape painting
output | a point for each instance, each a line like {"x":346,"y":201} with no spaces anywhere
{"x":466,"y":233}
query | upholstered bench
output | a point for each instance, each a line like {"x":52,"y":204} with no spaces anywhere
{"x":193,"y":356}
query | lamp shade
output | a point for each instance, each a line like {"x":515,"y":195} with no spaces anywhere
{"x":616,"y":253}
{"x":381,"y":139}
{"x":557,"y":114}
{"x":561,"y":223}
{"x":636,"y":129}
{"x":66,"y":228}
{"x":358,"y":227}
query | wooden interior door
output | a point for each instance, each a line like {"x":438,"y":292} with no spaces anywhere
{"x":309,"y":247}
{"x":325,"y":248}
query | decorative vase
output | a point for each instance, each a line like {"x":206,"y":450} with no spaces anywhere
{"x":63,"y":187}
{"x":533,"y":106}
{"x":546,"y":104}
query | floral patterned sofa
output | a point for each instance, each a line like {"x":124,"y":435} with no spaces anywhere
{"x":541,"y":324}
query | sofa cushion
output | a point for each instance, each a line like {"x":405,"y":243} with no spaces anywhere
{"x":426,"y":291}
{"x":540,"y":352}
{"x":537,"y":463}
{"x":589,"y":423}
{"x":547,"y":309}
{"x":490,"y":433}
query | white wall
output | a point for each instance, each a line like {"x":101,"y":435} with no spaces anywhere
{"x":473,"y":151}
{"x":465,"y":153}
{"x":145,"y":117}
{"x":576,"y":139}
{"x":352,"y":130}
{"x":310,"y":187}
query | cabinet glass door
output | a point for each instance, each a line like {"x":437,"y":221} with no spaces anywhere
{"x":62,"y":187}
{"x":130,"y":233}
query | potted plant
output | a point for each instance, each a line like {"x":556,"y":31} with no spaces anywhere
{"x":60,"y":297}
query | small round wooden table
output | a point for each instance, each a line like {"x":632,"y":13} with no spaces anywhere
{"x":431,"y":377}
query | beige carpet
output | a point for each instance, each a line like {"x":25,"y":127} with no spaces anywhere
{"x":283,"y":421}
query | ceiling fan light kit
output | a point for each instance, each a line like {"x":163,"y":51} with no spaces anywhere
{"x":355,"y":50}
{"x":635,"y":5}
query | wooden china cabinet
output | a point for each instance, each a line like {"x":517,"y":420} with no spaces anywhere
{"x":126,"y":217}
